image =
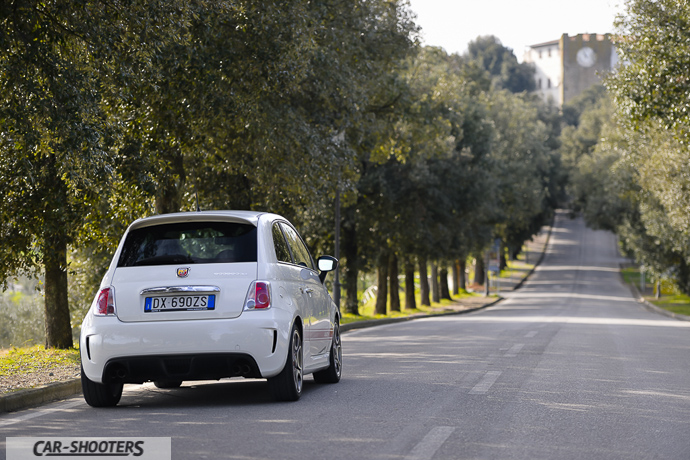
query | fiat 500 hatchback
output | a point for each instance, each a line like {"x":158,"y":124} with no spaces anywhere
{"x":209,"y":295}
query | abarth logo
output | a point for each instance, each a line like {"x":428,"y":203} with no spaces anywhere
{"x":182,"y":272}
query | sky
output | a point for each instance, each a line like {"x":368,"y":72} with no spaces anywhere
{"x":517,"y":23}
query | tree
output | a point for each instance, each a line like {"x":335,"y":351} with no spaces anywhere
{"x":647,"y":146}
{"x":501,"y":64}
{"x":522,"y":165}
{"x":631,"y":182}
{"x":53,"y":144}
{"x":67,"y":68}
{"x":653,"y":41}
{"x":244,"y":103}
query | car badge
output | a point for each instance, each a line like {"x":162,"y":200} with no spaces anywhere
{"x":182,"y":272}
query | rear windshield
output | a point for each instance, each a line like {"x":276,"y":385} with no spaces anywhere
{"x":189,"y":243}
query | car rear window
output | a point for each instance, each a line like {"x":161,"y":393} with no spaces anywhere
{"x":189,"y":243}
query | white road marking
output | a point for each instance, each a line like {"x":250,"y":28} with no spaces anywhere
{"x":41,"y":412}
{"x":514,"y":350}
{"x":485,"y":383}
{"x":427,"y":447}
{"x":531,"y":334}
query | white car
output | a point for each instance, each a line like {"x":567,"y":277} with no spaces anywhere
{"x":209,"y":295}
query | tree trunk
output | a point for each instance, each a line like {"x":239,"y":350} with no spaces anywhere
{"x":456,"y":277}
{"x":410,"y":301}
{"x":683,"y":275}
{"x":382,"y":293}
{"x":502,"y":258}
{"x":56,"y":304}
{"x":462,"y":280}
{"x":394,"y":283}
{"x":423,"y":282}
{"x":349,"y":248}
{"x":479,"y":272}
{"x":435,"y":291}
{"x":443,"y":284}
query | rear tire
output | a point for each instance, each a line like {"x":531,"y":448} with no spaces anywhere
{"x":287,"y":386}
{"x":100,"y":394}
{"x":167,"y":384}
{"x":335,"y":370}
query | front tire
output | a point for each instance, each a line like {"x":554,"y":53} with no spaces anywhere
{"x":335,"y":369}
{"x":100,"y":394}
{"x":287,"y":386}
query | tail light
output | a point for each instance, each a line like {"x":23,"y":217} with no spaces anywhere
{"x":259,"y":296}
{"x":105,"y":302}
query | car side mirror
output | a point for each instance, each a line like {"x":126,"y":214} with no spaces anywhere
{"x":326,"y":264}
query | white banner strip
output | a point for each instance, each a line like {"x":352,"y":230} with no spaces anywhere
{"x":88,"y":448}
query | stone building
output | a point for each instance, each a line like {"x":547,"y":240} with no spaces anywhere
{"x":568,"y":66}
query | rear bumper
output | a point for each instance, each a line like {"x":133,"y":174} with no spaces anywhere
{"x":206,"y":366}
{"x":115,"y":351}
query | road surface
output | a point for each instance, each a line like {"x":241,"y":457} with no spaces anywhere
{"x":568,"y":367}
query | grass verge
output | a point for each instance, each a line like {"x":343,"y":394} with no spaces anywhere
{"x":367,"y":310}
{"x":27,"y":360}
{"x":670,"y":298}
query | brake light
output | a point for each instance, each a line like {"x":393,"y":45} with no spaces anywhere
{"x":259,"y":296}
{"x":105,"y":302}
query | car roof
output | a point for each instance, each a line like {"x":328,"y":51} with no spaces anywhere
{"x":251,"y":217}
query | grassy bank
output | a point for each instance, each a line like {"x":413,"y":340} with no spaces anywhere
{"x":670,"y":299}
{"x":367,"y":310}
{"x":26,"y":360}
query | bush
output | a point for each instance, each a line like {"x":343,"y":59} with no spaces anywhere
{"x":22,"y":315}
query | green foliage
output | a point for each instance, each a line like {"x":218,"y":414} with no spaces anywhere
{"x":57,"y":133}
{"x":501,"y":64}
{"x":111,"y":112}
{"x":653,"y":85}
{"x":632,"y":182}
{"x":522,"y":164}
{"x":670,"y":299}
{"x":588,"y":99}
{"x":585,"y":116}
{"x":635,"y":180}
{"x":21,"y":316}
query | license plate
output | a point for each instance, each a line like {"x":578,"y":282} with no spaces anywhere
{"x":179,"y":303}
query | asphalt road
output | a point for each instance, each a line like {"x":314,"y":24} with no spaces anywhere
{"x":569,"y":366}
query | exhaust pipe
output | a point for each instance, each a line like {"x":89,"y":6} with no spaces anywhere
{"x":117,"y":372}
{"x":241,"y":369}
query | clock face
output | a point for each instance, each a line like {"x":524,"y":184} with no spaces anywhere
{"x":586,"y":57}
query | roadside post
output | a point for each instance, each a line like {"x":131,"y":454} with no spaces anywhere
{"x":486,"y":274}
{"x":494,"y":264}
{"x":643,"y":284}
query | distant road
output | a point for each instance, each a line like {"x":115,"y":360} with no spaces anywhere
{"x":568,"y":367}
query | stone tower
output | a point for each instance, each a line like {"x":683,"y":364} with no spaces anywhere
{"x":568,"y":66}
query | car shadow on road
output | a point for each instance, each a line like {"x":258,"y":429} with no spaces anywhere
{"x":226,"y":392}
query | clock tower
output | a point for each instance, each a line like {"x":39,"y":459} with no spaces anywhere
{"x":587,"y":58}
{"x":568,"y":66}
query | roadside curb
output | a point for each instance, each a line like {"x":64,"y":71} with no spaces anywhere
{"x":32,"y":397}
{"x":653,"y":308}
{"x":539,"y":261}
